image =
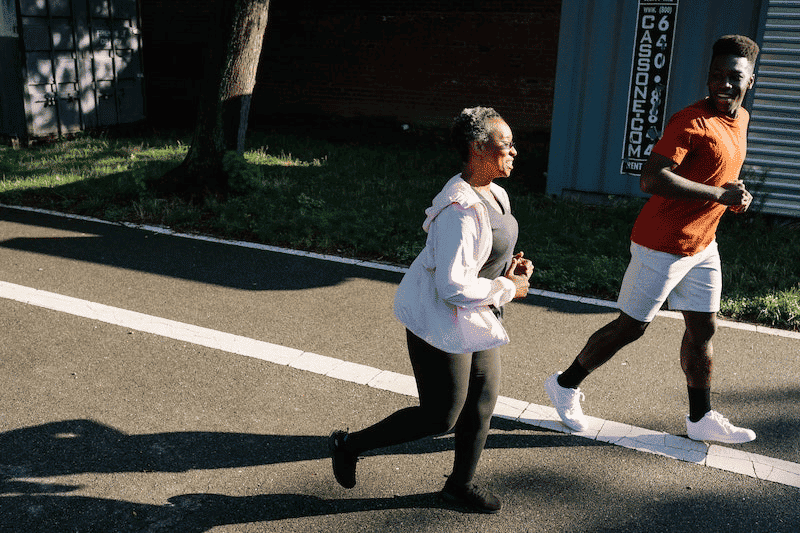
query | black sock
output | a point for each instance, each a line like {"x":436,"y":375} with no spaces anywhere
{"x":699,"y":403}
{"x":573,"y":376}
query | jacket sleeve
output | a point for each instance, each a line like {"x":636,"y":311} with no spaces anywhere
{"x":455,"y":234}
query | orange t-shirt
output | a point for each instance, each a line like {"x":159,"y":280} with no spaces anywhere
{"x":708,"y":148}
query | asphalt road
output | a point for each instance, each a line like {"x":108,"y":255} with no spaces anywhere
{"x":107,"y":428}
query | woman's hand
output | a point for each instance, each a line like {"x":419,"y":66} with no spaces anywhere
{"x":523,"y":266}
{"x":520,"y":272}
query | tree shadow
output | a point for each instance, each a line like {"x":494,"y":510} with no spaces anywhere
{"x":210,"y":262}
{"x":189,"y":259}
{"x":81,"y":446}
{"x":186,"y":513}
{"x":84,"y":446}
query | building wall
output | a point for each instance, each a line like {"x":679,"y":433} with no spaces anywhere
{"x":414,"y":61}
{"x":174,"y":35}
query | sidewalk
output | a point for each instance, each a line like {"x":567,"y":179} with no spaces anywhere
{"x":114,"y":417}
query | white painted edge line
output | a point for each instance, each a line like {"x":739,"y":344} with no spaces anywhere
{"x":644,"y":440}
{"x":381,"y":266}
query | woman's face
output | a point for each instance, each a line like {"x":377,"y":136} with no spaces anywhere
{"x":498,"y":154}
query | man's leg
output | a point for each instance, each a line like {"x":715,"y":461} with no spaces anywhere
{"x":648,"y":281}
{"x":696,"y":361}
{"x":601,"y":346}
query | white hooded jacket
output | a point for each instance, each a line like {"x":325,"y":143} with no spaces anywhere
{"x":441,"y":299}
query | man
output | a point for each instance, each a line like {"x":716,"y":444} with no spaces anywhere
{"x":692,"y":174}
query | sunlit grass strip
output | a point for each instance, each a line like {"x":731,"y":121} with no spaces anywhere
{"x":779,"y":309}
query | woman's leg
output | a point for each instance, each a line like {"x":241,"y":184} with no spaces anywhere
{"x":473,"y":424}
{"x":442,"y":382}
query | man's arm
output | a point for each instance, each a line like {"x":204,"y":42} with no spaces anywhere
{"x":659,"y":179}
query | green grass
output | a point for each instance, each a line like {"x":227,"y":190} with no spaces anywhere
{"x":366,"y":199}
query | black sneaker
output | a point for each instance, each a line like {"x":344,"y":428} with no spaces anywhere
{"x":344,"y":464}
{"x":471,"y":497}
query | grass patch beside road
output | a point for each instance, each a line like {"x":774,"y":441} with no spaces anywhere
{"x":366,"y":199}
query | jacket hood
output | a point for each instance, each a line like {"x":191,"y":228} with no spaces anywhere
{"x":455,"y":191}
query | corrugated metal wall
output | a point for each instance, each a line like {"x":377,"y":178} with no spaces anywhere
{"x":772,"y":168}
{"x":594,"y":75}
{"x":79,"y":66}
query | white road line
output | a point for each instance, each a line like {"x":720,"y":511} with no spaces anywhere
{"x":644,"y":440}
{"x":381,"y":266}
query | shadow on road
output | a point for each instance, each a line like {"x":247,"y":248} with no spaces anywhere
{"x":194,"y":260}
{"x":207,"y":262}
{"x":84,"y":446}
{"x":772,"y":412}
{"x":187,"y":513}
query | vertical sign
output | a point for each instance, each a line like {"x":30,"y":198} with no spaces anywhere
{"x":652,"y":54}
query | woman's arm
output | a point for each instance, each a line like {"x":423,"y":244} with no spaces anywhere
{"x":455,"y":234}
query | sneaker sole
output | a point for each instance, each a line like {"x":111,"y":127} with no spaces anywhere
{"x":722,"y":441}
{"x":462,"y":505}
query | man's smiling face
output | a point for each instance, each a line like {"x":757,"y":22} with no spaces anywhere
{"x":729,"y":78}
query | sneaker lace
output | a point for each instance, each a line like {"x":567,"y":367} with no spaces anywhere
{"x":575,"y":400}
{"x":722,"y":421}
{"x":478,"y":492}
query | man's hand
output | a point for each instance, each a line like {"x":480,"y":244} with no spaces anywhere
{"x":736,"y":196}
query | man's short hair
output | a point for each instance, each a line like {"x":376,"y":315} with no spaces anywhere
{"x":736,"y":45}
{"x":474,"y":124}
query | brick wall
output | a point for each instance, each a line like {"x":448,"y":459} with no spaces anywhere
{"x":420,"y":63}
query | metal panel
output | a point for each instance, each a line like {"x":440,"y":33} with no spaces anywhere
{"x":772,"y":167}
{"x":12,"y":114}
{"x":593,"y":76}
{"x":82,"y":64}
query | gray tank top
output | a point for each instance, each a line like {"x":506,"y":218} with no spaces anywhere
{"x":505,"y":231}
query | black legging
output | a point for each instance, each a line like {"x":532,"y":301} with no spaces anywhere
{"x":455,"y":390}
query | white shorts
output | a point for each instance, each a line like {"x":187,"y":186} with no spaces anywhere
{"x":690,"y":283}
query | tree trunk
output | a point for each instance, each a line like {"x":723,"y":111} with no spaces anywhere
{"x":224,"y":107}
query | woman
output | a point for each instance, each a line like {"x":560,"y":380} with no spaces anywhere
{"x":451,"y":304}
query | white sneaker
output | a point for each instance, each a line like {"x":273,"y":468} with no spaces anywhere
{"x":713,"y":426}
{"x":567,"y":403}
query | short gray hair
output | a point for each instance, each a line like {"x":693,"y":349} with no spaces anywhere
{"x":473,"y":124}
